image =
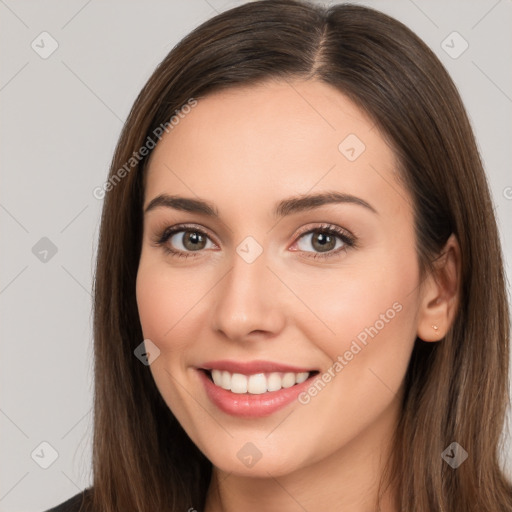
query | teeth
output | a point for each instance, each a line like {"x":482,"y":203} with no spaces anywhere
{"x":238,"y":383}
{"x":226,"y":380}
{"x":258,"y":383}
{"x":288,"y":380}
{"x":274,"y":382}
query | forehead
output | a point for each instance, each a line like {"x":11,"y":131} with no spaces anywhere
{"x":261,"y":143}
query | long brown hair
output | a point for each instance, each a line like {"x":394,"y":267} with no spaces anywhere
{"x":455,"y":390}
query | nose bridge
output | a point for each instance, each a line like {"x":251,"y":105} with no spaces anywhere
{"x":248,"y":299}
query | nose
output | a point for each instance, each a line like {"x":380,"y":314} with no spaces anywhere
{"x":250,"y":301}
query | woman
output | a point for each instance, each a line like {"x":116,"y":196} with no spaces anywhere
{"x":299,"y":298}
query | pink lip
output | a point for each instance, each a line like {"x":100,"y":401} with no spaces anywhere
{"x":251,"y":406}
{"x":252,"y":367}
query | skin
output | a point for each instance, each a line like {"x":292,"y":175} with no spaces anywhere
{"x":244,"y":150}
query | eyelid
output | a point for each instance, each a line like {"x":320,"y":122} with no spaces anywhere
{"x":327,"y":227}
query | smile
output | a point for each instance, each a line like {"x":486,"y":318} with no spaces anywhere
{"x":253,"y":389}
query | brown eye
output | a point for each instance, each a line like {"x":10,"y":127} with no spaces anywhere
{"x":190,"y":240}
{"x":327,"y":241}
{"x":322,"y":241}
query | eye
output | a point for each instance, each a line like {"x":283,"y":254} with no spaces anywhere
{"x":181,"y":240}
{"x":327,"y":239}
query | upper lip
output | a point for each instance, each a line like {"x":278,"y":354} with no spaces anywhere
{"x":252,"y":367}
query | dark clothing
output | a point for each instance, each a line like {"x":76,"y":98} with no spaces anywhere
{"x":73,"y":504}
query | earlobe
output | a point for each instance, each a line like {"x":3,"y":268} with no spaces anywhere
{"x":440,"y":294}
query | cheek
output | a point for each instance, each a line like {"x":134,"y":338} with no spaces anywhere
{"x":172,"y":305}
{"x":154,"y":298}
{"x":152,"y":302}
{"x":366,"y":314}
{"x":162,"y":304}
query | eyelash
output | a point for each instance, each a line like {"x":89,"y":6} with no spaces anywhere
{"x":348,"y":240}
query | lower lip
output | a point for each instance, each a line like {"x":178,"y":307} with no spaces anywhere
{"x":248,"y":405}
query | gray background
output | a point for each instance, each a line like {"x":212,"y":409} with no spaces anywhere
{"x":61,"y":117}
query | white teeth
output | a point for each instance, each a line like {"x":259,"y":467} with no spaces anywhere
{"x":288,"y":380}
{"x":238,"y":383}
{"x":274,"y":382}
{"x":217,"y":377}
{"x":226,"y":380}
{"x":258,"y":383}
{"x":301,"y":377}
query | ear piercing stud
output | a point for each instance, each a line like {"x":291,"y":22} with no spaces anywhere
{"x":435,"y":327}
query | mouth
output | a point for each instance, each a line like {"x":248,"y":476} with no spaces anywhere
{"x":253,"y":389}
{"x":256,"y":383}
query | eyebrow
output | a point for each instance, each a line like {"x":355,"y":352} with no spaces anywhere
{"x":283,"y":208}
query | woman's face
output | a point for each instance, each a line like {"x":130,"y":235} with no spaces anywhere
{"x":265,"y":295}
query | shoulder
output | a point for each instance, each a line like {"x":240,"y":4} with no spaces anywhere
{"x":73,"y":504}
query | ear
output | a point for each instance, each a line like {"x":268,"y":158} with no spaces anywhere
{"x":440,"y":294}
